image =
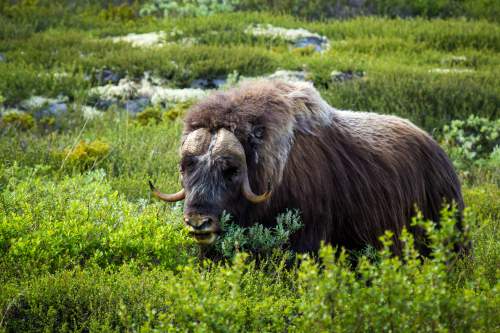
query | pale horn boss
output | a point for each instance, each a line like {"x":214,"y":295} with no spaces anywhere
{"x":214,"y":174}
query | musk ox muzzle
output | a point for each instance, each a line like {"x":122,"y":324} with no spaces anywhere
{"x":206,"y":172}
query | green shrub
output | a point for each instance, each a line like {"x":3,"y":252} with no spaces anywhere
{"x":121,"y":13}
{"x":473,"y":143}
{"x":256,"y":239}
{"x":85,"y":154}
{"x":46,"y":226}
{"x":20,"y":120}
{"x":177,"y":111}
{"x":400,"y":294}
{"x":150,"y":115}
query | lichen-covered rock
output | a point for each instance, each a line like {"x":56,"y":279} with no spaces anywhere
{"x":169,"y":95}
{"x":125,"y":89}
{"x":137,"y":95}
{"x":149,"y":39}
{"x":106,"y":76}
{"x":136,"y":105}
{"x":286,"y":75}
{"x":36,"y":102}
{"x":90,"y":112}
{"x":298,"y":37}
{"x":52,"y":110}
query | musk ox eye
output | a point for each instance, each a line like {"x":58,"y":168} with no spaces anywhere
{"x":187,"y":163}
{"x":230,"y":172}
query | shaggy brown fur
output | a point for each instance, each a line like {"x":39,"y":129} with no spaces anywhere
{"x":352,"y":175}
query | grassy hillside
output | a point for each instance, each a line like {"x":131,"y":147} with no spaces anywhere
{"x":83,"y":246}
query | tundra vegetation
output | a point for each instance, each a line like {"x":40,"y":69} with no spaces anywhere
{"x":84,"y":247}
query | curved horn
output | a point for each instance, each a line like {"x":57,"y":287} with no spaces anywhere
{"x":167,"y":197}
{"x":248,"y":193}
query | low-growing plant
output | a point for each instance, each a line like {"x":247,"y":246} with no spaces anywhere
{"x":16,"y":119}
{"x":256,"y":239}
{"x":473,"y":143}
{"x":47,"y":226}
{"x":123,"y":13}
{"x":177,"y":111}
{"x":150,"y":115}
{"x":85,"y":154}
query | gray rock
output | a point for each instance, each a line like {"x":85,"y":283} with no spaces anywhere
{"x":346,"y":76}
{"x":2,"y":57}
{"x":288,"y":76}
{"x":52,"y":110}
{"x":108,"y":76}
{"x":319,"y":43}
{"x":219,"y":82}
{"x":215,"y":83}
{"x":297,"y":37}
{"x":137,"y":105}
{"x":103,"y":104}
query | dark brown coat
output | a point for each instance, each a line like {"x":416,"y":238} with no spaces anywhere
{"x":352,"y":175}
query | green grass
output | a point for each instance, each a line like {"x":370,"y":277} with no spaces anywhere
{"x":83,"y":246}
{"x":396,"y":55}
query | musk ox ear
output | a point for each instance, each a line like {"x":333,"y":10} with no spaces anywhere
{"x":255,"y":138}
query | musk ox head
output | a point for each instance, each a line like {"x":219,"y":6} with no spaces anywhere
{"x":214,"y":175}
{"x":238,"y":140}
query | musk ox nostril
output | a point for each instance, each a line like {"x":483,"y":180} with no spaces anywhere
{"x":198,"y":222}
{"x":206,"y":222}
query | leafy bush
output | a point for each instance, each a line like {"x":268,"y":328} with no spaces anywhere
{"x":318,"y":294}
{"x":473,"y":143}
{"x":46,"y":226}
{"x":150,"y":115}
{"x":177,"y":111}
{"x":85,"y":154}
{"x":21,"y":120}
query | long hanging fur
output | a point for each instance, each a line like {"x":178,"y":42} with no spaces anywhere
{"x":352,"y":175}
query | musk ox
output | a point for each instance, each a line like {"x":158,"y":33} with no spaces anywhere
{"x":267,"y":146}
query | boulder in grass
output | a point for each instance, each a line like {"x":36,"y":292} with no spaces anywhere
{"x":344,"y":76}
{"x":150,"y":39}
{"x":137,"y":95}
{"x":137,"y":105}
{"x":215,"y":83}
{"x":45,"y":107}
{"x":289,"y":76}
{"x":103,"y":104}
{"x":317,"y":43}
{"x":52,"y":110}
{"x":108,"y":76}
{"x":299,"y":38}
{"x":36,"y":102}
{"x":90,"y":112}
